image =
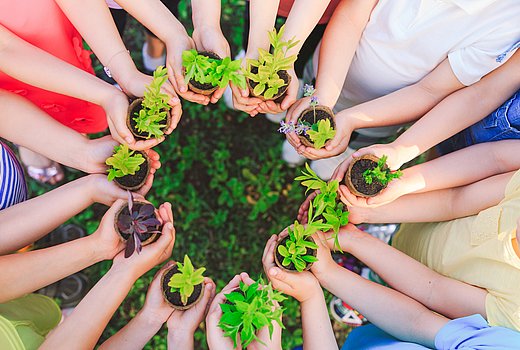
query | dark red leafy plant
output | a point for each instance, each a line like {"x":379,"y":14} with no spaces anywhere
{"x":138,"y":224}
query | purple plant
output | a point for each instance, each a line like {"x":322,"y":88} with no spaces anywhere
{"x":308,"y":90}
{"x":299,"y":128}
{"x":137,"y":224}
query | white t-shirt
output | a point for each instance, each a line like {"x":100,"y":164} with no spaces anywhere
{"x":405,"y":40}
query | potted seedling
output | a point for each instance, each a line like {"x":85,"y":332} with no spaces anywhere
{"x":183,"y":285}
{"x":248,"y":309}
{"x":128,"y":168}
{"x":205,"y":72}
{"x":368,"y":175}
{"x":326,"y":206}
{"x":267,"y":77}
{"x":297,"y":251}
{"x":315,"y":125}
{"x":149,"y":116}
{"x":137,"y":225}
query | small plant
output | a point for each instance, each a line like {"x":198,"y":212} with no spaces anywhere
{"x":139,"y":223}
{"x":295,"y":248}
{"x":249,"y":309}
{"x":207,"y":70}
{"x":123,"y":162}
{"x":325,"y":203}
{"x":270,"y":64}
{"x":318,"y":131}
{"x":186,"y":279}
{"x":153,"y":115}
{"x":381,"y":173}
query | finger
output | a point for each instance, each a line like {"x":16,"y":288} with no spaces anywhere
{"x":146,"y":144}
{"x":267,"y":246}
{"x":115,"y":135}
{"x":217,"y":94}
{"x":280,"y":279}
{"x":143,"y":191}
{"x":163,"y":268}
{"x":122,"y":130}
{"x":209,"y":294}
{"x":246,"y":279}
{"x":289,"y":99}
{"x":233,"y":284}
{"x":294,"y":139}
{"x":268,"y":260}
{"x":176,"y":114}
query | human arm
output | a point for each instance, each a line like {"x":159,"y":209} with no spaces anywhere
{"x":304,"y":287}
{"x":455,"y":113}
{"x":82,"y":329}
{"x":456,"y":169}
{"x":441,"y":294}
{"x":183,"y":324}
{"x":346,"y":26}
{"x":402,"y":106}
{"x":395,"y":313}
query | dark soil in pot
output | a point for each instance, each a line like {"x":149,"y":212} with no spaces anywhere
{"x":207,"y":88}
{"x":355,"y":181}
{"x":278,"y":258}
{"x":322,"y":112}
{"x":146,"y":238}
{"x":283,"y":74}
{"x":133,"y":111}
{"x":136,"y":181}
{"x":174,"y":299}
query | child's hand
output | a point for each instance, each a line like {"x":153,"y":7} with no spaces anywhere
{"x":325,"y":262}
{"x":96,"y":153}
{"x":215,"y":335}
{"x":182,"y":324}
{"x":303,"y":211}
{"x":396,"y":156}
{"x":155,"y":308}
{"x":301,"y":286}
{"x":174,"y":50}
{"x":338,"y":145}
{"x":244,"y":102}
{"x":292,"y":117}
{"x":151,"y":254}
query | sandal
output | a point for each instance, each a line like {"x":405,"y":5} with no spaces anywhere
{"x":49,"y":175}
{"x":62,"y":234}
{"x":69,"y":290}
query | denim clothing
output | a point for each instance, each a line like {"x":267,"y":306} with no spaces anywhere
{"x":502,"y":124}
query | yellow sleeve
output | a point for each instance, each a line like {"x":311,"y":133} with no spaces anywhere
{"x":502,"y":312}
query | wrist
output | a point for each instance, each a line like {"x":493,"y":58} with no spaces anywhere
{"x":152,"y":320}
{"x":325,"y":275}
{"x":179,"y":339}
{"x":98,"y":250}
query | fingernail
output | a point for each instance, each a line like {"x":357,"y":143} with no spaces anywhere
{"x":169,"y":226}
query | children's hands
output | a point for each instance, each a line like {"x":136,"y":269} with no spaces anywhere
{"x":155,"y":308}
{"x":174,"y":50}
{"x":396,"y":156}
{"x":215,"y":335}
{"x":183,"y":324}
{"x":325,"y":262}
{"x":211,"y":39}
{"x":301,"y":286}
{"x":151,"y":254}
{"x":244,"y":102}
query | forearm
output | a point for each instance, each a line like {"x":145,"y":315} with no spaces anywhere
{"x":347,"y":24}
{"x":206,"y":13}
{"x":178,"y":341}
{"x":135,"y":334}
{"x":26,"y":272}
{"x":157,"y":18}
{"x":407,"y":104}
{"x":444,"y":295}
{"x":26,"y":125}
{"x":462,"y":109}
{"x":303,"y":18}
{"x":26,"y":222}
{"x":442,"y":205}
{"x":393,"y":312}
{"x":82,"y":329}
{"x":262,"y":20}
{"x":463,"y":167}
{"x":316,"y":326}
{"x":47,"y":72}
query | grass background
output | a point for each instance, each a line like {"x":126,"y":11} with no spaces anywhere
{"x":229,"y":188}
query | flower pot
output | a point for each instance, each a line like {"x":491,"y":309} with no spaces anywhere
{"x":207,"y":88}
{"x":278,"y":258}
{"x":354,"y":177}
{"x":136,"y":181}
{"x":146,"y":238}
{"x":283,"y":74}
{"x":133,"y":111}
{"x":174,"y":299}
{"x":322,"y":112}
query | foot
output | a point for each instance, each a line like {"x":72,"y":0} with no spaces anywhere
{"x":40,"y":168}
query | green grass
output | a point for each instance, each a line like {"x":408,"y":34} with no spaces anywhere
{"x":230,"y":191}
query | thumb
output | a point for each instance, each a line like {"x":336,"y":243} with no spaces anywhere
{"x":166,"y":238}
{"x":120,"y":129}
{"x":279,"y":275}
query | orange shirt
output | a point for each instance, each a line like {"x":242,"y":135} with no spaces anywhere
{"x":286,"y":5}
{"x":43,"y":24}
